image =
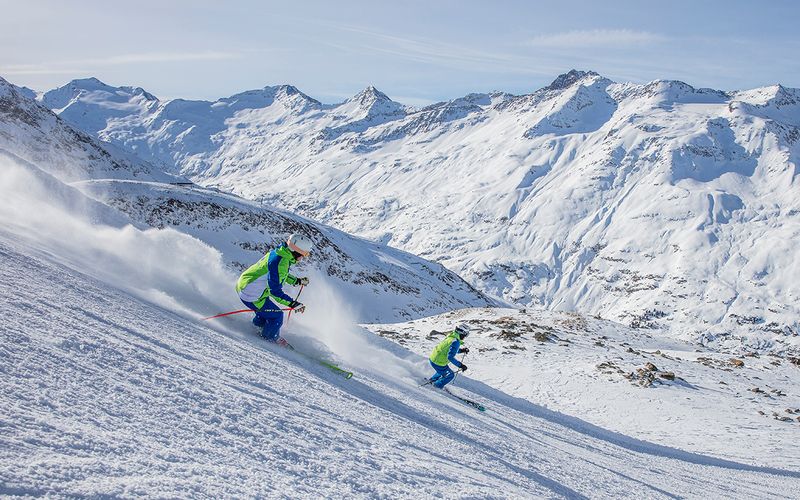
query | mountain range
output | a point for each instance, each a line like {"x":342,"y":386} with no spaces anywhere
{"x":657,"y":205}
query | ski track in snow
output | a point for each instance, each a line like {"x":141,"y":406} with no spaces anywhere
{"x":107,"y":395}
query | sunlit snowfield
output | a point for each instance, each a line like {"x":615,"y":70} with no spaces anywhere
{"x":113,"y":387}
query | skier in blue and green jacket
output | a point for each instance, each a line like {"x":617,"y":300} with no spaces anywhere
{"x":446,"y":351}
{"x":264,"y":281}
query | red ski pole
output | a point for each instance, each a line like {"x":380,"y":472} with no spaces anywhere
{"x":295,"y":299}
{"x":244,"y":311}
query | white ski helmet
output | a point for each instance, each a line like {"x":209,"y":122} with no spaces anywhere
{"x":462,"y":329}
{"x":299,"y":244}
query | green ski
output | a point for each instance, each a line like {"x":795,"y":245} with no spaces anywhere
{"x":344,"y":373}
{"x":332,"y":367}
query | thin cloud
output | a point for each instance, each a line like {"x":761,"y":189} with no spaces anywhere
{"x":162,"y":57}
{"x":31,"y":69}
{"x":423,"y":50}
{"x":434,"y":52}
{"x":595,"y":38}
{"x":83,"y":65}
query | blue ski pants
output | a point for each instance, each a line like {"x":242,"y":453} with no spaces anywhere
{"x":443,"y":375}
{"x":269,"y":318}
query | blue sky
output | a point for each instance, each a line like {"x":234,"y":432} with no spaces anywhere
{"x":415,"y":51}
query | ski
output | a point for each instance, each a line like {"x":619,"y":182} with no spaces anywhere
{"x":470,"y":402}
{"x":327,"y":364}
{"x":339,"y":371}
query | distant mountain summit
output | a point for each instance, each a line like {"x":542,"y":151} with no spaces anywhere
{"x":32,"y":132}
{"x":92,"y":88}
{"x":570,"y":78}
{"x":287,"y":95}
{"x":367,"y":109}
{"x":376,"y":102}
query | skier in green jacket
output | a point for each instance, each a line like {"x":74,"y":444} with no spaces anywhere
{"x":446,"y":351}
{"x":263,"y":281}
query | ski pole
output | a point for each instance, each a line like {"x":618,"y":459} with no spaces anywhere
{"x":244,"y":311}
{"x":459,"y":371}
{"x":295,"y":299}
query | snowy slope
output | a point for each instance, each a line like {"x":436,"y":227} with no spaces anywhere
{"x":110,"y":387}
{"x":379,"y":283}
{"x":744,"y":408}
{"x":657,"y":205}
{"x":33,"y":183}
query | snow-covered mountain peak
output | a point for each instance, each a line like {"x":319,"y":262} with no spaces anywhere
{"x":256,"y":98}
{"x":292,"y":94}
{"x":89,"y":102}
{"x":776,"y":95}
{"x":16,"y":108}
{"x":370,"y":96}
{"x":90,"y":83}
{"x":576,"y":102}
{"x":61,"y":97}
{"x":570,"y":86}
{"x":7,"y":87}
{"x":287,"y":95}
{"x":34,"y":133}
{"x":367,"y":109}
{"x":785,"y":96}
{"x":294,"y":99}
{"x":371,"y":102}
{"x":667,"y":93}
{"x":574,"y":76}
{"x":777,"y":104}
{"x":139,"y":91}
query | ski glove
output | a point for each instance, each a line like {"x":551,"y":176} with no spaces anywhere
{"x":297,"y":306}
{"x":302,"y":281}
{"x":463,"y":350}
{"x":463,"y":367}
